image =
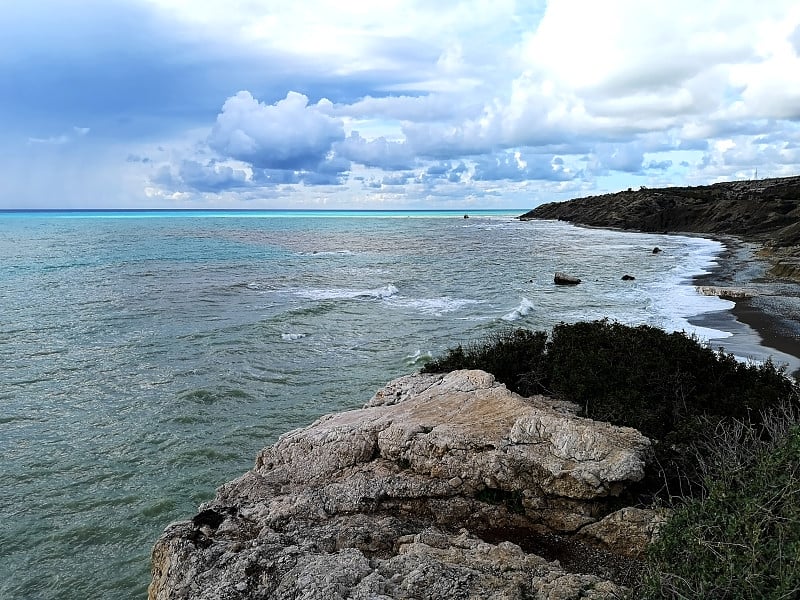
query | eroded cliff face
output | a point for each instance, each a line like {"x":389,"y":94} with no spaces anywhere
{"x":398,"y":500}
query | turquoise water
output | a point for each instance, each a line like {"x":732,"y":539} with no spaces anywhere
{"x":145,"y":357}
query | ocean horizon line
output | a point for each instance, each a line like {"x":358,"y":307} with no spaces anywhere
{"x":255,"y":212}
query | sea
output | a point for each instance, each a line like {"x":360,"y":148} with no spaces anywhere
{"x":147,"y":356}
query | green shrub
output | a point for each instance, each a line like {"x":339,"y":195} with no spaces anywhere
{"x":742,"y":540}
{"x":513,"y":356}
{"x":640,"y":377}
{"x":647,"y":378}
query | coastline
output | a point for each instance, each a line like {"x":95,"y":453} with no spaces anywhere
{"x":761,"y":326}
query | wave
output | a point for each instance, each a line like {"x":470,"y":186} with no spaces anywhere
{"x":310,"y":310}
{"x":418,"y":357}
{"x":386,"y":291}
{"x":524,"y":308}
{"x":289,"y":337}
{"x":433,"y":306}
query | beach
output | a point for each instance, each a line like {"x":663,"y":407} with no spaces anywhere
{"x":763,"y":325}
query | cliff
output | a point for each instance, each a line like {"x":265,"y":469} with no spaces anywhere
{"x":766,"y":211}
{"x":442,"y":486}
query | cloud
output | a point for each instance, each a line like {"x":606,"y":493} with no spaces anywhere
{"x":378,"y":152}
{"x":794,"y":40}
{"x":421,"y":108}
{"x":143,"y":69}
{"x":289,"y":134}
{"x":417,"y":102}
{"x":513,"y":166}
{"x":627,"y":158}
{"x":655,"y":165}
{"x":211,"y":177}
{"x":60,"y":140}
{"x":396,"y":179}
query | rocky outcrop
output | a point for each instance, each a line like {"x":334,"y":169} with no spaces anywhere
{"x":766,"y":211}
{"x":404,"y":499}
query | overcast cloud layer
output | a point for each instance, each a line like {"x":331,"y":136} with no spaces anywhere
{"x":398,"y":104}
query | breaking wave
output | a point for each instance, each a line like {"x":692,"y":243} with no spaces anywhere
{"x":386,"y":291}
{"x":524,"y":308}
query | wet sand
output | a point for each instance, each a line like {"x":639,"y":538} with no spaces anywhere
{"x":764,"y":326}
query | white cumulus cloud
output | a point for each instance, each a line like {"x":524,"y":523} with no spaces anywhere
{"x":289,"y":134}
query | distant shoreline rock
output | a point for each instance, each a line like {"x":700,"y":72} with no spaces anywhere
{"x":442,"y":483}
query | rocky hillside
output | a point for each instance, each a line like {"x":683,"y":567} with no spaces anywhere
{"x":765,"y":210}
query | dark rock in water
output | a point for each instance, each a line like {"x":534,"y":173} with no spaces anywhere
{"x":656,"y":250}
{"x":628,"y":278}
{"x":564,"y":279}
{"x":466,"y":216}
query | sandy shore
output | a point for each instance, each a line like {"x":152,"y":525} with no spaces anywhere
{"x":766,"y":325}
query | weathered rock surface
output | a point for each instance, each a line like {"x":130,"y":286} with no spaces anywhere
{"x":626,"y":532}
{"x":391,"y":501}
{"x":727,"y":293}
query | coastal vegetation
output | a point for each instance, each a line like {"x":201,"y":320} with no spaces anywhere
{"x":741,"y":539}
{"x":726,"y":444}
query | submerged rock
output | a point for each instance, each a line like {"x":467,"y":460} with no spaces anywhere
{"x":391,"y":501}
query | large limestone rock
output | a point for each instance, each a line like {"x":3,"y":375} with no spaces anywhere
{"x":391,"y":501}
{"x":628,"y":531}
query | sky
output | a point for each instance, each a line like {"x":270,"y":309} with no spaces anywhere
{"x":397,"y":104}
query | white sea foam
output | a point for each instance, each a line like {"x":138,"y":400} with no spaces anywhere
{"x":675,"y":304}
{"x":675,"y":300}
{"x":432,"y":306}
{"x":524,"y":308}
{"x":417,"y":357}
{"x":386,"y":291}
{"x":292,"y":336}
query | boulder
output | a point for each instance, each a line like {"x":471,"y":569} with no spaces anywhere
{"x":626,"y":532}
{"x":391,"y":500}
{"x":628,"y":278}
{"x":564,"y":279}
